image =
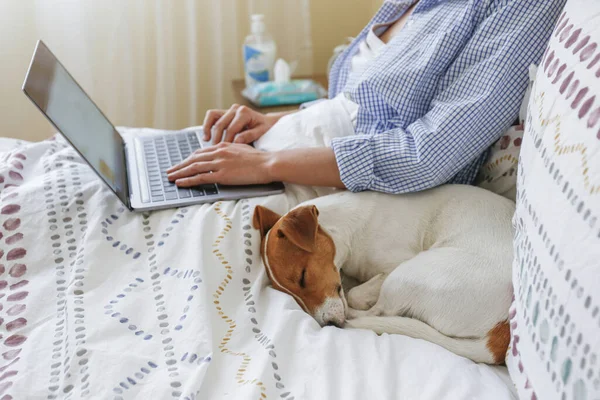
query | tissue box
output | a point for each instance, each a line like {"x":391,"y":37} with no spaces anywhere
{"x":270,"y":94}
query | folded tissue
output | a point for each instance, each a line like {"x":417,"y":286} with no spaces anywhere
{"x":283,"y":90}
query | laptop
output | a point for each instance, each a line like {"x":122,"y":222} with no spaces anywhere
{"x":134,"y":168}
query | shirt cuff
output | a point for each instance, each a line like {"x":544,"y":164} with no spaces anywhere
{"x":354,"y":157}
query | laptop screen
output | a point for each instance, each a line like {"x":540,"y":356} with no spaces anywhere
{"x":74,"y":114}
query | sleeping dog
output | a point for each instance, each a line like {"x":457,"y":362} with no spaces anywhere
{"x":435,"y":265}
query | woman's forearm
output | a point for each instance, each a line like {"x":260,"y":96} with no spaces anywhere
{"x":311,"y":166}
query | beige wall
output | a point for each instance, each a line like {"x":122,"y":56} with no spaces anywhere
{"x":130,"y":98}
{"x":17,"y":117}
{"x":332,"y":21}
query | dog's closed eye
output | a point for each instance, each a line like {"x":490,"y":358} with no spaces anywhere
{"x":302,"y":281}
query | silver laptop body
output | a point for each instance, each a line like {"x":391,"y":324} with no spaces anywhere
{"x":134,"y":168}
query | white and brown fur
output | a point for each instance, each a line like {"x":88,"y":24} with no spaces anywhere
{"x":434,"y":265}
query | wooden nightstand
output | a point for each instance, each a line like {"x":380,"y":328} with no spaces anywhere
{"x":238,"y":85}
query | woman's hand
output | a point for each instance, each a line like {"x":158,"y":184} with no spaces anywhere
{"x":225,"y":163}
{"x":240,"y":164}
{"x":240,"y":124}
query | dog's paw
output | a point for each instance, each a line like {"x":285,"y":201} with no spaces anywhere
{"x":358,"y":301}
{"x":352,"y":313}
{"x":365,"y":296}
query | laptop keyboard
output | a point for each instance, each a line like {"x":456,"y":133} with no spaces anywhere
{"x":160,"y":154}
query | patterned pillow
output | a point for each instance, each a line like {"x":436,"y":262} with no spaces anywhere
{"x":555,"y":316}
{"x":499,"y":173}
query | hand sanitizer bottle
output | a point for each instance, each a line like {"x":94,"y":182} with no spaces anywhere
{"x":259,"y":53}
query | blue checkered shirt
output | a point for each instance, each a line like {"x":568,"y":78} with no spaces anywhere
{"x":440,"y":93}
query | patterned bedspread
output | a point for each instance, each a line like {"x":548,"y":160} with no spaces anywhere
{"x":98,"y":302}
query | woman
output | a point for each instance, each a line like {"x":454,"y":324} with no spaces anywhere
{"x":433,"y":89}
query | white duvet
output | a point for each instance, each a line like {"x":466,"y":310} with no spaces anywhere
{"x":98,"y":302}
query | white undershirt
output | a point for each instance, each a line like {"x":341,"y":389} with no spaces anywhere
{"x":367,"y":51}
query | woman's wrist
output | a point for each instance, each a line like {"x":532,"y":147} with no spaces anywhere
{"x":308,"y":166}
{"x":271,"y":166}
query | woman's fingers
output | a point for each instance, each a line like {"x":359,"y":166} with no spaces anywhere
{"x":200,"y":179}
{"x":211,"y":117}
{"x":223,"y":123}
{"x":243,"y":117}
{"x":198,"y":155}
{"x":233,"y":122}
{"x":190,"y":160}
{"x":249,"y":136}
{"x":198,"y":167}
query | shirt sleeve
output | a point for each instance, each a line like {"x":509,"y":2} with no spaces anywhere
{"x":465,"y":117}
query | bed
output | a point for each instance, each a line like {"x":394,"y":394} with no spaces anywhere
{"x":99,"y":302}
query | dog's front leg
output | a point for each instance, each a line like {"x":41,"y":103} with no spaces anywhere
{"x":351,"y":313}
{"x":364,"y":296}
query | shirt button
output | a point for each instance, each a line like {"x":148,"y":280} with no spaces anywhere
{"x":348,"y":95}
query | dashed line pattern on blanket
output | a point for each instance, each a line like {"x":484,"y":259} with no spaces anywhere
{"x":80,"y":268}
{"x":138,"y":284}
{"x":260,"y":336}
{"x":63,"y":232}
{"x":161,"y":310}
{"x":187,"y":274}
{"x":12,"y":251}
{"x":116,"y":243}
{"x":153,"y":285}
{"x":131,"y":325}
{"x":162,"y":316}
{"x":246,"y":359}
{"x":61,"y":344}
{"x":141,"y":374}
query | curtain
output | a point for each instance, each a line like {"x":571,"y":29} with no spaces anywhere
{"x":158,"y":63}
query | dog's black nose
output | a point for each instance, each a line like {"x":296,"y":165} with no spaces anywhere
{"x":333,"y":323}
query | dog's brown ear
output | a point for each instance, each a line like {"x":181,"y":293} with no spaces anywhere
{"x":300,"y":226}
{"x":264,"y":219}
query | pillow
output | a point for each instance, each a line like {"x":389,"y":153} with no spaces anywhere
{"x":499,"y":173}
{"x":555,"y":316}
